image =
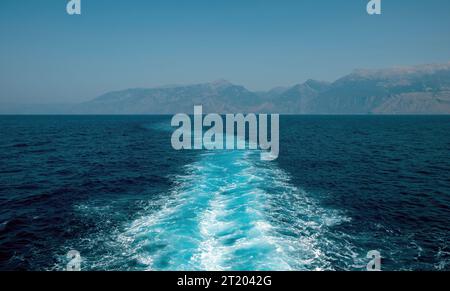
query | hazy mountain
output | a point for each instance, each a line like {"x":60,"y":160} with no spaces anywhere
{"x":299,"y":98}
{"x":421,"y":89}
{"x":220,"y":96}
{"x":413,"y":90}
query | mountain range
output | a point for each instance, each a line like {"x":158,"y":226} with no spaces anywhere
{"x":423,"y":89}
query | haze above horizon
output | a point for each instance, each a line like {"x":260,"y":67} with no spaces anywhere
{"x":47,"y":56}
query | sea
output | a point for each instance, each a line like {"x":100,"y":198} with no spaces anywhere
{"x":113,"y":189}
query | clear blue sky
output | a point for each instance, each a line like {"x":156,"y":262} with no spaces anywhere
{"x":48,"y":56}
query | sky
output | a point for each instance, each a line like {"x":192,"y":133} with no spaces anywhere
{"x":48,"y":56}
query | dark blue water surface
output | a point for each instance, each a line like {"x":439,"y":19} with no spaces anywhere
{"x":112,"y":188}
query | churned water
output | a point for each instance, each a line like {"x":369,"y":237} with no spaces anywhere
{"x":112,"y":188}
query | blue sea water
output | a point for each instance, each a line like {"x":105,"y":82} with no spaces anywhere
{"x":112,"y":188}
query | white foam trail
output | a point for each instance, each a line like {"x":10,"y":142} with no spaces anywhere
{"x":233,"y":212}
